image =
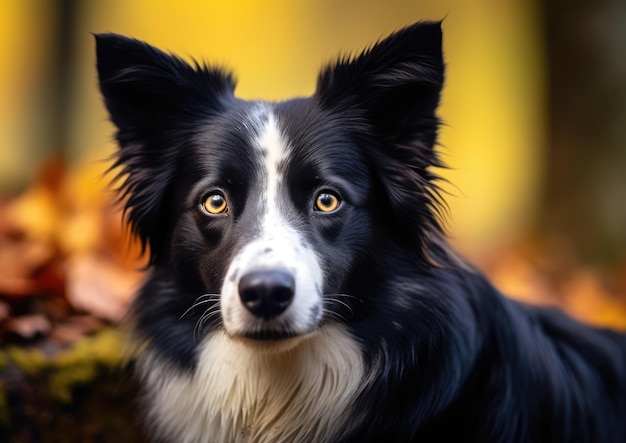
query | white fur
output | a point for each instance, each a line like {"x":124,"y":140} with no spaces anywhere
{"x":238,"y":394}
{"x":278,"y":245}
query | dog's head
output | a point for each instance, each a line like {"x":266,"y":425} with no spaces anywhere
{"x":273,"y":210}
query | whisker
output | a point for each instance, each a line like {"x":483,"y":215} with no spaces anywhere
{"x":208,"y":314}
{"x":336,"y":299}
{"x":344,"y":296}
{"x":204,"y":298}
{"x":335,"y":316}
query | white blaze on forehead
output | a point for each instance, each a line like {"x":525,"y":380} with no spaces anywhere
{"x":277,"y":244}
{"x":273,"y":147}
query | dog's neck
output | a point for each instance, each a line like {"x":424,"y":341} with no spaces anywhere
{"x":245,"y":394}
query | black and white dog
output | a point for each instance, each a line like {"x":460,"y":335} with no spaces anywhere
{"x":300,"y":287}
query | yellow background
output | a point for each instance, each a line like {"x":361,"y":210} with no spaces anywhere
{"x":492,"y":105}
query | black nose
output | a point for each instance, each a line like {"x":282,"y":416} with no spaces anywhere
{"x":268,"y":292}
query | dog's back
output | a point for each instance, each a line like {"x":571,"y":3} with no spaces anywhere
{"x":539,"y":377}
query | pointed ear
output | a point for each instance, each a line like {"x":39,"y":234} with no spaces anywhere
{"x":151,"y":97}
{"x":396,"y":83}
{"x":392,"y":91}
{"x":143,"y":87}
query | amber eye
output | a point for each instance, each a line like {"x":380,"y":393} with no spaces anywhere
{"x":215,"y":204}
{"x":326,"y":202}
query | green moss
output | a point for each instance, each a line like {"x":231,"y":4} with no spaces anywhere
{"x":3,"y":359}
{"x":84,"y":362}
{"x":104,"y":348}
{"x":81,"y":393}
{"x":75,"y":366}
{"x":32,"y":361}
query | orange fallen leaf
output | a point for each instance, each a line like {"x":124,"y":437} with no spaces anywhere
{"x":97,"y":285}
{"x":514,"y":276}
{"x":21,"y":262}
{"x":587,"y":299}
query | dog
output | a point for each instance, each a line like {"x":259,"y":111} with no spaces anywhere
{"x":300,"y":286}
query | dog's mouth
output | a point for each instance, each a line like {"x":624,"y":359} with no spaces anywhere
{"x":271,"y":341}
{"x":271,"y":338}
{"x":270,"y":335}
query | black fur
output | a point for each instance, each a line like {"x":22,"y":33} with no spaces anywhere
{"x":455,"y":360}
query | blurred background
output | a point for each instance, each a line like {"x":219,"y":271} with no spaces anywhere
{"x":535,"y":137}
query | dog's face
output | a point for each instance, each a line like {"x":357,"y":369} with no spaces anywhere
{"x":267,"y":215}
{"x":273,"y":212}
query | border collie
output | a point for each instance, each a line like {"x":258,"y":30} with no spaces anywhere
{"x":300,"y":288}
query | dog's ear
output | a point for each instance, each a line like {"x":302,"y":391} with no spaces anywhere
{"x":150,"y":96}
{"x":144,"y":89}
{"x":391,"y":92}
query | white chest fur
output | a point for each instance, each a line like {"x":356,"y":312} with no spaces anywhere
{"x":238,"y":394}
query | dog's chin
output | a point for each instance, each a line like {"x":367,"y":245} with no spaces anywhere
{"x":271,"y":341}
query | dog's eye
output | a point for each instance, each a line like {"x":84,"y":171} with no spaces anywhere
{"x":215,"y":204}
{"x":326,"y":202}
